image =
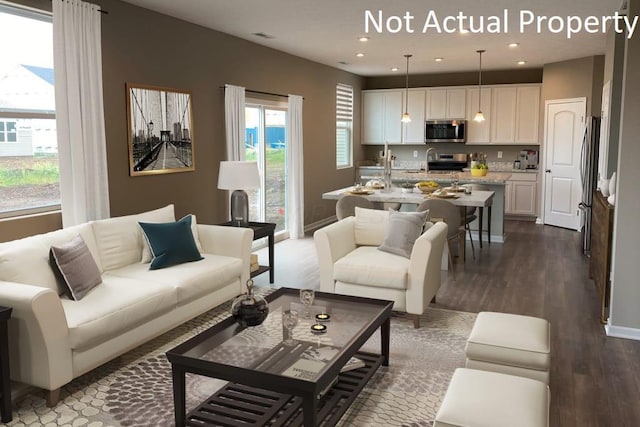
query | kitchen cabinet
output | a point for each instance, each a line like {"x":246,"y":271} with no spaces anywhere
{"x":381,"y":114}
{"x":515,"y":112}
{"x":503,"y":115}
{"x":527,"y":114}
{"x":446,"y":103}
{"x":413,"y":132}
{"x":521,"y":194}
{"x":478,"y":133}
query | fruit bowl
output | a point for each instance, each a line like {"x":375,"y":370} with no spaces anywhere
{"x":479,"y":172}
{"x":427,"y":186}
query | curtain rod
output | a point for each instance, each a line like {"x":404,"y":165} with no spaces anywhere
{"x":261,"y":93}
{"x":106,"y":12}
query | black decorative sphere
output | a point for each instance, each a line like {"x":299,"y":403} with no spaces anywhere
{"x":249,"y":309}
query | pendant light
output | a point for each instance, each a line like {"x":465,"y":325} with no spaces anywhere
{"x":479,"y":117}
{"x":406,"y":118}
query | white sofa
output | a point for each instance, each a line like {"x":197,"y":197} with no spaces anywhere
{"x":351,"y":264}
{"x":54,"y":339}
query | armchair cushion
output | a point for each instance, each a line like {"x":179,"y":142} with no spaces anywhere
{"x":403,"y":230}
{"x":370,"y":226}
{"x":367,"y":265}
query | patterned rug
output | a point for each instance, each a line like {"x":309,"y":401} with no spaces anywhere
{"x":135,"y":389}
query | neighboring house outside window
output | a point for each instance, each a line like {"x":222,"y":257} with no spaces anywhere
{"x":344,"y":126}
{"x":29,"y":173}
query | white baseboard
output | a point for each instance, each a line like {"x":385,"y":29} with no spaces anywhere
{"x":539,"y":221}
{"x":622,"y":332}
{"x":319,"y":224}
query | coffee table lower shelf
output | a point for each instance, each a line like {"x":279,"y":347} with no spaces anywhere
{"x":241,"y":405}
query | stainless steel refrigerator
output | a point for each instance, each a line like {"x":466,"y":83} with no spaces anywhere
{"x":588,"y":177}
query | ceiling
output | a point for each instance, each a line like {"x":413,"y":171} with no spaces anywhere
{"x":327,"y":31}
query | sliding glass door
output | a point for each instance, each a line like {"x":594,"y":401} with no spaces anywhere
{"x":266,"y":144}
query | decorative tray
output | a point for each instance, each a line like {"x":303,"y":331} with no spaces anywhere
{"x":455,"y":190}
{"x":360,"y":192}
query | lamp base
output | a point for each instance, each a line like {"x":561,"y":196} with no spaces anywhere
{"x":240,"y":208}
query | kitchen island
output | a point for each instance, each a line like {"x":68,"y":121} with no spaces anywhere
{"x":494,"y":181}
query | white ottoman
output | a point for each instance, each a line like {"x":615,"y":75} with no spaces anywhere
{"x":510,"y":344}
{"x":489,"y":399}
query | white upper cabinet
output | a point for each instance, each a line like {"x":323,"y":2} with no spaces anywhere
{"x":515,"y":114}
{"x":478,"y":133}
{"x":446,"y":103}
{"x":456,"y":103}
{"x":381,"y":114}
{"x":512,"y":113}
{"x":413,"y":132}
{"x":527,"y":114}
{"x":503,"y":115}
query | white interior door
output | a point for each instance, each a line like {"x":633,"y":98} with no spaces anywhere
{"x":564,"y":129}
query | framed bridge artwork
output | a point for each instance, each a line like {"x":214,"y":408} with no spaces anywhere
{"x":160,"y":122}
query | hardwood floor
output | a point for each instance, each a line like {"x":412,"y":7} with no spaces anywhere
{"x":539,"y":271}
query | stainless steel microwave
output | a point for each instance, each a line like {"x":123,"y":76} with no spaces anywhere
{"x":445,"y":131}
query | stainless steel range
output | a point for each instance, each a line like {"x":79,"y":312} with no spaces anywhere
{"x":449,"y":162}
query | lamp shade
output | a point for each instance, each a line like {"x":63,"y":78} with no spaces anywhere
{"x":238,"y":175}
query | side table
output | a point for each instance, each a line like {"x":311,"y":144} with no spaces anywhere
{"x":260,"y":230}
{"x":5,"y":381}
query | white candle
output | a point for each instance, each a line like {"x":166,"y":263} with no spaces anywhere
{"x":386,"y":150}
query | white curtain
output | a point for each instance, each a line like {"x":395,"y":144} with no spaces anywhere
{"x":295,"y":170}
{"x":234,"y":121}
{"x":77,"y":61}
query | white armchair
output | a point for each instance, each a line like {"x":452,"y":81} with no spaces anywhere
{"x":351,"y":264}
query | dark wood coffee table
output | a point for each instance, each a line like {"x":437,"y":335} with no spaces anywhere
{"x":255,"y":361}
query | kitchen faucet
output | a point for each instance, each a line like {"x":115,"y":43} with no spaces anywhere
{"x":426,"y":167}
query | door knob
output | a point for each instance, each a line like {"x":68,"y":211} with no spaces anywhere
{"x":547,"y":171}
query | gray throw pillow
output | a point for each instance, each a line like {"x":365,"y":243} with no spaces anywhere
{"x":403,"y":230}
{"x":75,"y":268}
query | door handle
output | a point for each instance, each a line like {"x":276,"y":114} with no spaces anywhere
{"x":547,"y":171}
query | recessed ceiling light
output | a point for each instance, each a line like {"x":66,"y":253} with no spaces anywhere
{"x":360,"y":55}
{"x":438,"y":59}
{"x":394,"y":69}
{"x":263,"y":35}
{"x":364,"y":39}
{"x":513,"y":44}
{"x":522,"y":62}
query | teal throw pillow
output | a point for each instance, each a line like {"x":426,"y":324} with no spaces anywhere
{"x":171,"y":243}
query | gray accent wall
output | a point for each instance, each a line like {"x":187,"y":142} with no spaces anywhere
{"x":625,"y":292}
{"x":145,"y":47}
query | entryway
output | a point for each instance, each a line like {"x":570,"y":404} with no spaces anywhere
{"x":564,"y":128}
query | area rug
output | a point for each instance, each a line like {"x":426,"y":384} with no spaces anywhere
{"x":136,"y":390}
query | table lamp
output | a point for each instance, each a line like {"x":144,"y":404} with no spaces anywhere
{"x":239,"y":176}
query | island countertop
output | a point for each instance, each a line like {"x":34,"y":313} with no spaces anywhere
{"x":401,"y":175}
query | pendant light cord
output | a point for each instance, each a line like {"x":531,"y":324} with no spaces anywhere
{"x":480,"y":81}
{"x":406,"y":104}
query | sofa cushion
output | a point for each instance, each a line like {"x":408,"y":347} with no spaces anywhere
{"x":191,"y":280}
{"x":119,"y":304}
{"x":119,"y":239}
{"x":403,"y":230}
{"x":370,"y":226}
{"x":27,"y":260}
{"x":146,"y":250}
{"x":171,"y":243}
{"x":75,"y":268}
{"x":367,"y":265}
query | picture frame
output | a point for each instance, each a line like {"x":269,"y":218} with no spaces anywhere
{"x":160,"y":130}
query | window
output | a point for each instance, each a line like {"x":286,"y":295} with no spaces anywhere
{"x":29,"y":173}
{"x":344,"y":126}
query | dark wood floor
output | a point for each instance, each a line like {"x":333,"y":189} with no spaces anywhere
{"x":541,"y":271}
